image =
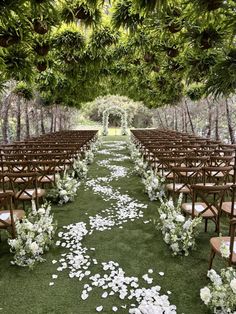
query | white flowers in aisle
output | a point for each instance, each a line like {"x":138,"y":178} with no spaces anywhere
{"x":95,"y":146}
{"x":80,"y":169}
{"x":134,"y":152}
{"x":89,"y":157}
{"x":220,"y":294}
{"x":178,"y":232}
{"x":34,"y":236}
{"x":154,"y":185}
{"x":140,"y":167}
{"x":65,"y":189}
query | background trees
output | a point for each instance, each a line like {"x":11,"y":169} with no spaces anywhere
{"x":161,"y":53}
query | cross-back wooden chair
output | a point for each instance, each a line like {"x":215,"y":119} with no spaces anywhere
{"x":207,"y":203}
{"x":26,"y":189}
{"x":183,"y":179}
{"x":229,"y":241}
{"x":8,"y":215}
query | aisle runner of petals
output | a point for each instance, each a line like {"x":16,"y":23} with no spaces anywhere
{"x":80,"y":259}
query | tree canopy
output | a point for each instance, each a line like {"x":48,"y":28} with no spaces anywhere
{"x":155,"y":51}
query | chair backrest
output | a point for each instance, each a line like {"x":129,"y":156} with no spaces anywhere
{"x":6,"y":205}
{"x":211,"y":196}
{"x":232,"y":239}
{"x":27,"y":185}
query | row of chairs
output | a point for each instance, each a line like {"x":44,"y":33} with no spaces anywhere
{"x":201,"y":169}
{"x":28,"y":168}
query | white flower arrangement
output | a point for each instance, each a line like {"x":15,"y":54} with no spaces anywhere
{"x":80,"y":169}
{"x":154,"y":185}
{"x":220,"y":294}
{"x":34,"y":236}
{"x":95,"y":146}
{"x":134,"y":152}
{"x":89,"y":157}
{"x":140,"y":167}
{"x":65,"y":189}
{"x":178,"y":232}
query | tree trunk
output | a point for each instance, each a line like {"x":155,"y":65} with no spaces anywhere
{"x":159,"y":116}
{"x":166,"y":121}
{"x":176,"y":120}
{"x":189,"y":117}
{"x":27,"y":125}
{"x":185,"y":122}
{"x":36,"y":121}
{"x":183,"y":119}
{"x":230,"y":126}
{"x":52,"y":120}
{"x":42,"y":120}
{"x":217,"y":136}
{"x":5,"y":118}
{"x":55,"y":119}
{"x":60,"y":118}
{"x":209,"y":126}
{"x":18,"y":118}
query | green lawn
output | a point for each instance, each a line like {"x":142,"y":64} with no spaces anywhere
{"x":137,"y":247}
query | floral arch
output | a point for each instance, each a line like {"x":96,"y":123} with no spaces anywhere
{"x":116,"y":111}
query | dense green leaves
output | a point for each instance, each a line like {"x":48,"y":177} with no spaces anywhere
{"x":72,"y":51}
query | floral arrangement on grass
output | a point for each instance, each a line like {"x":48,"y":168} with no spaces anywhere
{"x":140,"y":167}
{"x":95,"y":146}
{"x":89,"y":157}
{"x":65,"y":189}
{"x":154,"y":185}
{"x":220,"y":294}
{"x":178,"y":232}
{"x":134,"y":152}
{"x":34,"y":236}
{"x":80,"y":169}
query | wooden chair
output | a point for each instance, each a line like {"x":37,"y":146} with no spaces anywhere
{"x":183,"y":179}
{"x":207,"y":203}
{"x":216,"y":243}
{"x":8,"y":214}
{"x":27,"y":188}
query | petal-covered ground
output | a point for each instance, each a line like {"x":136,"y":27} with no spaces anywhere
{"x":108,"y":255}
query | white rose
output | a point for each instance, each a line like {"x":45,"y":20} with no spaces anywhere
{"x":187,"y":224}
{"x":34,"y":247}
{"x":233,"y":285}
{"x":180,"y":218}
{"x":175,"y":247}
{"x":41,"y":211}
{"x":63,"y":192}
{"x":205,"y":295}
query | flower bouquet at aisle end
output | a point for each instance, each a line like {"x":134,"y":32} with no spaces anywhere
{"x":178,"y":232}
{"x":220,"y":295}
{"x":34,"y":236}
{"x":154,"y":185}
{"x":65,"y":190}
{"x":80,"y":169}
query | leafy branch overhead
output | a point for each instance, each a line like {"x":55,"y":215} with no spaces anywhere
{"x":151,"y":51}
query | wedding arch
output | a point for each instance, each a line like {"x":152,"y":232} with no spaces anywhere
{"x":115,"y":110}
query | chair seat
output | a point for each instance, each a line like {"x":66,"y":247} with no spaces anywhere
{"x":216,"y":243}
{"x":178,"y":187}
{"x":198,"y":208}
{"x":226,"y":207}
{"x":168,"y":175}
{"x":5,"y":215}
{"x":47,"y":178}
{"x":30,"y":194}
{"x":7,"y":191}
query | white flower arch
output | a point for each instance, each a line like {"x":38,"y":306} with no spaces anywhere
{"x":116,"y":111}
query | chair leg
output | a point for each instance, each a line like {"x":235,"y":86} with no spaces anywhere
{"x":212,"y":255}
{"x":206,"y":222}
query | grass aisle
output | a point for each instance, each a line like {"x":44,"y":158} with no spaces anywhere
{"x":137,"y":247}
